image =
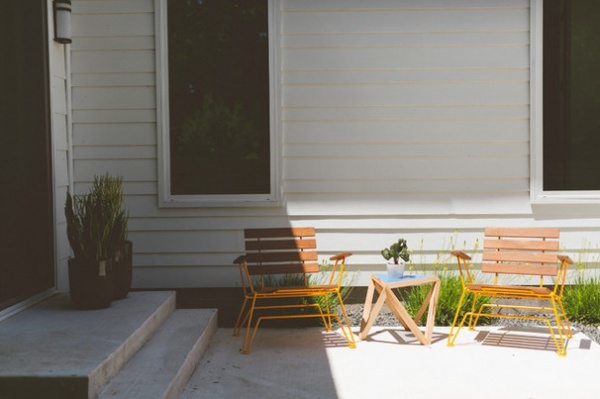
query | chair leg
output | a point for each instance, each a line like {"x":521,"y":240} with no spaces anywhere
{"x":327,"y":322}
{"x":479,"y":312}
{"x":473,"y":323}
{"x":247,"y":337}
{"x":452,"y":335}
{"x":560,"y":343}
{"x":460,"y":325}
{"x":566,"y":320}
{"x":240,"y":321}
{"x":346,"y":331}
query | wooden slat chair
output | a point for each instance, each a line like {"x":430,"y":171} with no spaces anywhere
{"x":281,"y":251}
{"x":518,"y":251}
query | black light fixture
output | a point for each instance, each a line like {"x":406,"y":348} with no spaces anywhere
{"x":62,"y":21}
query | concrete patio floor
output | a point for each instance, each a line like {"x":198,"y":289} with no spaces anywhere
{"x":492,"y":362}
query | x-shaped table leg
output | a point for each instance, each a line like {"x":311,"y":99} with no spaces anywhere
{"x":386,"y":295}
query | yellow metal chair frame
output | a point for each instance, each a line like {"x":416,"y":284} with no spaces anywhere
{"x":517,"y":251}
{"x":279,"y":251}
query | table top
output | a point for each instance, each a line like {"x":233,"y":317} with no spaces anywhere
{"x":407,"y":278}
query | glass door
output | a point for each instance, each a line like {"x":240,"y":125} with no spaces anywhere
{"x":26,"y":222}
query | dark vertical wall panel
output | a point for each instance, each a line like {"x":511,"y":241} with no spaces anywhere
{"x":26,"y":240}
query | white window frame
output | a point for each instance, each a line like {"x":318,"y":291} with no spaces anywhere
{"x":165,"y":198}
{"x":538,"y":194}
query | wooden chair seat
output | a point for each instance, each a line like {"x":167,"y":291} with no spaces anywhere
{"x":295,"y":289}
{"x":509,"y":290}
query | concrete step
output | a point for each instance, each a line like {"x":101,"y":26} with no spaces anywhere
{"x":52,"y":350}
{"x":162,"y":367}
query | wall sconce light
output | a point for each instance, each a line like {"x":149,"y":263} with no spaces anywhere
{"x":62,"y":21}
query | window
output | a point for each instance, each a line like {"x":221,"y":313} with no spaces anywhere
{"x":571,"y":83}
{"x":217,"y":135}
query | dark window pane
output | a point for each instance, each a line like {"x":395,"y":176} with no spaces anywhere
{"x":571,"y":95}
{"x":219,"y":96}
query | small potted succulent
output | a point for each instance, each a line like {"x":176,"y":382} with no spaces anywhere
{"x":397,"y":255}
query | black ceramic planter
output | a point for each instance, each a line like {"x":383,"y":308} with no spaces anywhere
{"x":123,"y":270}
{"x":91,"y":283}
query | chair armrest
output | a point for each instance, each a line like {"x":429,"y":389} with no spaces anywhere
{"x":340,"y":262}
{"x":340,"y":256}
{"x":564,"y":258}
{"x":461,"y":254}
{"x":239,"y":259}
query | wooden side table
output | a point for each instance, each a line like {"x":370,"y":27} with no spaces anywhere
{"x":384,"y":285}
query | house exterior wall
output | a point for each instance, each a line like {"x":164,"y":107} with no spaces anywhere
{"x":402,"y":118}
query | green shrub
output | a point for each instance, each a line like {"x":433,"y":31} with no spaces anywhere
{"x":582,"y":301}
{"x":450,"y":292}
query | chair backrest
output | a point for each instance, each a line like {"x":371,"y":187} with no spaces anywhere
{"x":526,"y":251}
{"x":281,"y":250}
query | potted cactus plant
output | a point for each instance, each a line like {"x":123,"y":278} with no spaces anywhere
{"x":397,"y":255}
{"x":96,"y":229}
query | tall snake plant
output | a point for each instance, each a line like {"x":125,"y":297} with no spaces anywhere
{"x":97,"y":221}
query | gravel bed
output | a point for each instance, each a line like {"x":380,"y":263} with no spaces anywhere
{"x":387,"y":319}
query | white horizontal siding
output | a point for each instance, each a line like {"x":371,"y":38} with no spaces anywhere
{"x":130,"y":169}
{"x":90,"y":80}
{"x":404,"y":39}
{"x":96,"y":7}
{"x":410,"y":131}
{"x":115,"y":133}
{"x":406,"y":94}
{"x":404,"y":76}
{"x":122,"y":61}
{"x":111,"y":24}
{"x":415,"y":186}
{"x":117,"y":152}
{"x":392,"y":104}
{"x":409,"y":57}
{"x":406,"y":150}
{"x":399,"y":118}
{"x":399,"y":168}
{"x":378,"y":5}
{"x":120,"y":98}
{"x":402,"y":17}
{"x":408,"y":113}
{"x":114,"y":116}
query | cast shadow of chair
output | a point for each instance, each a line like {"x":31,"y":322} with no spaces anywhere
{"x":398,"y":335}
{"x":334,"y":339}
{"x":521,"y":337}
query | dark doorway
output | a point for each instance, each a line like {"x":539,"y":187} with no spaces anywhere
{"x":26,"y":222}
